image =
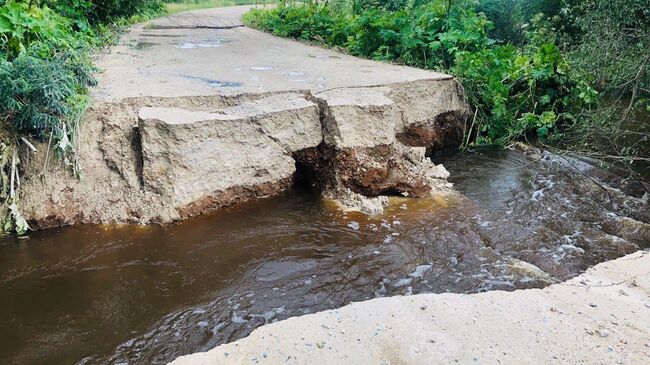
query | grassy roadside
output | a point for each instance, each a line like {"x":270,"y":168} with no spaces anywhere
{"x":179,"y":6}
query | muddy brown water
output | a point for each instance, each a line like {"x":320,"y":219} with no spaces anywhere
{"x":145,"y":295}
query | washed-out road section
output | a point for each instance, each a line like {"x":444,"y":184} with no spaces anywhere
{"x":194,"y":112}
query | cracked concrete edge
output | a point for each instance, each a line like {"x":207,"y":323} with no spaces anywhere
{"x":599,"y":317}
{"x":391,"y":98}
{"x":113,"y":157}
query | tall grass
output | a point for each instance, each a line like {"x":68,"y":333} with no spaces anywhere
{"x":178,"y":6}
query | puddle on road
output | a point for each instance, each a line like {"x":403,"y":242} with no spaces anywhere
{"x":213,"y":43}
{"x":293,"y":73}
{"x":162,"y":35}
{"x":145,"y":295}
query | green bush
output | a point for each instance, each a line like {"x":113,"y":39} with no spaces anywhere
{"x":44,"y":75}
{"x":522,"y":89}
{"x":610,"y":39}
{"x":21,"y":26}
{"x":512,"y":17}
{"x":607,"y":43}
{"x":516,"y":91}
{"x":104,"y":11}
{"x":44,"y":68}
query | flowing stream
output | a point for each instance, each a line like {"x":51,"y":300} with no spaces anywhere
{"x":145,"y":295}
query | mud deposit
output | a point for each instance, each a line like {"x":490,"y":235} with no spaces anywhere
{"x":147,"y":294}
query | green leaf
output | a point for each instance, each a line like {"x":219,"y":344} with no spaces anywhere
{"x":5,"y":25}
{"x":545,"y":99}
{"x":542,"y":132}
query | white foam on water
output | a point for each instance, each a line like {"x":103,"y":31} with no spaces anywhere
{"x":420,"y":270}
{"x":354,"y":225}
{"x":236,"y":318}
{"x":215,"y":330}
{"x":537,"y":195}
{"x":269,"y":315}
{"x":402,"y":282}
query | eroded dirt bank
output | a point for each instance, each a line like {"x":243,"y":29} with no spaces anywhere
{"x":599,"y":317}
{"x":164,"y":159}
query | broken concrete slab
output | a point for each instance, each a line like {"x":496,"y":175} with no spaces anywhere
{"x":431,"y":113}
{"x":384,"y":170}
{"x":358,"y":117}
{"x":378,"y":137}
{"x":198,"y":160}
{"x":436,"y":123}
{"x":288,"y":118}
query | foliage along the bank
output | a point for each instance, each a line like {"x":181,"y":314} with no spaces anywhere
{"x":515,"y":90}
{"x":44,"y":75}
{"x":531,"y":76}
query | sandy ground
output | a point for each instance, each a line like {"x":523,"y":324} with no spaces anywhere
{"x":600,"y":317}
{"x":179,"y":56}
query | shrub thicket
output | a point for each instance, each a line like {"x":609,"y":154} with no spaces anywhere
{"x":607,"y":43}
{"x":544,"y":68}
{"x":44,"y":75}
{"x":514,"y":90}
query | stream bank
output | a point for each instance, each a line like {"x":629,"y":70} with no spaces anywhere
{"x":599,"y":317}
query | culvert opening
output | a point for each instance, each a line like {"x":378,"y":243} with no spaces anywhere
{"x":313,"y":166}
{"x":304,"y":178}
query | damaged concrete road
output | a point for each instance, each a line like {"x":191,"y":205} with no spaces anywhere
{"x":194,"y":112}
{"x":186,"y":55}
{"x":599,"y":317}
